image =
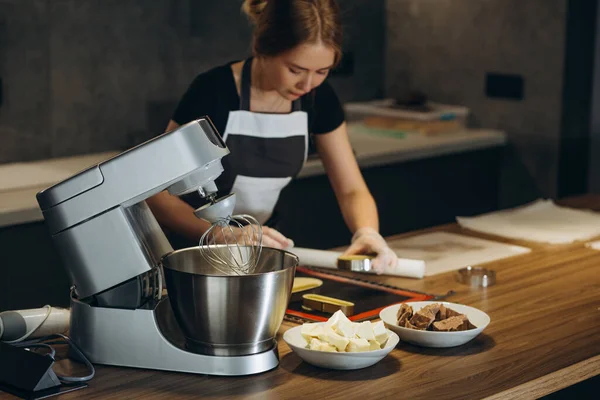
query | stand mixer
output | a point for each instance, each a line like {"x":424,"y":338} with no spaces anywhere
{"x":113,"y":248}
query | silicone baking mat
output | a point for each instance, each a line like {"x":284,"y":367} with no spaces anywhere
{"x":369,"y":298}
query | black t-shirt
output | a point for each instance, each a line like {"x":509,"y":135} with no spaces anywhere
{"x":213,"y":93}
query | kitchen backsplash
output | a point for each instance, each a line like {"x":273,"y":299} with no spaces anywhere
{"x":445,"y":48}
{"x":84,"y":76}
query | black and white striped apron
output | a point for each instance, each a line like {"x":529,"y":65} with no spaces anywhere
{"x":267,"y":151}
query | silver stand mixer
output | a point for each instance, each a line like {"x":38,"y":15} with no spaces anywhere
{"x":112,"y":246}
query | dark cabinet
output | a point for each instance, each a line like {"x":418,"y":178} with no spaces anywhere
{"x":409,"y":195}
{"x":31,"y":273}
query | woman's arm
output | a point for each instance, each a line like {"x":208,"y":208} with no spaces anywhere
{"x":355,"y":200}
{"x":176,"y":215}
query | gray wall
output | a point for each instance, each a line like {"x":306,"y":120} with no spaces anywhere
{"x":594,"y":171}
{"x":445,"y":47}
{"x":84,"y":76}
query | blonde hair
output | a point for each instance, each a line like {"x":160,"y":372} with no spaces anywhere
{"x":281,"y":25}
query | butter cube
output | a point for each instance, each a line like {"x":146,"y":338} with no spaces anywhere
{"x":365,"y":331}
{"x":333,"y":338}
{"x":381,"y":334}
{"x":356,"y":345}
{"x":327,"y":347}
{"x":335,"y":319}
{"x":374,"y":345}
{"x":347,"y":329}
{"x":310,"y":330}
{"x":315,"y":344}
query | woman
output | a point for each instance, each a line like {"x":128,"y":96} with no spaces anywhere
{"x":265,"y":107}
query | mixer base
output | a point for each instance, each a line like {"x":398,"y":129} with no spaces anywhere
{"x":228,"y":350}
{"x":151,"y":339}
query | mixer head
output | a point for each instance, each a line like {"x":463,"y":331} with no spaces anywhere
{"x":216,"y":209}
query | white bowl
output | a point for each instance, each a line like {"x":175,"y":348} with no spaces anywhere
{"x":432,"y":338}
{"x":334,"y":360}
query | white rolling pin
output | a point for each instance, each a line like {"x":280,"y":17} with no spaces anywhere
{"x":407,"y":268}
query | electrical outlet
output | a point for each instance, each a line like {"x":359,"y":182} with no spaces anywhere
{"x":504,"y":86}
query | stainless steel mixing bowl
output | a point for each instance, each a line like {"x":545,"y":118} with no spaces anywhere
{"x":229,"y":315}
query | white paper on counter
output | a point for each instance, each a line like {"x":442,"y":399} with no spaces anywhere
{"x":328,"y":259}
{"x":445,"y":251}
{"x":539,"y":221}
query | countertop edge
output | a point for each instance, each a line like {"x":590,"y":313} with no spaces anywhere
{"x":552,"y":382}
{"x":315,"y":167}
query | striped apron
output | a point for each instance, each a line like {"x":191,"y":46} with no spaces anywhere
{"x":267,"y":151}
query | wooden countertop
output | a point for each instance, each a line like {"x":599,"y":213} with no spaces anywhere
{"x":544,"y":335}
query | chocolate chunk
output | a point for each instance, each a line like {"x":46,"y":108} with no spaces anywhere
{"x":445,"y":312}
{"x":451,"y":324}
{"x":407,"y":324}
{"x":423,"y":318}
{"x":404,"y":313}
{"x":442,"y":314}
{"x":468,"y":325}
{"x":456,"y":323}
{"x":432,"y":308}
{"x":451,"y":313}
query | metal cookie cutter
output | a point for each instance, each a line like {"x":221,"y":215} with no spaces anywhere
{"x":476,"y":277}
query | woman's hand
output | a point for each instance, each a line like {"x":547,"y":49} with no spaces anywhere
{"x":248,"y":235}
{"x":273,"y":238}
{"x":368,"y":241}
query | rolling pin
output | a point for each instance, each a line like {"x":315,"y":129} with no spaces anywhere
{"x":405,"y":267}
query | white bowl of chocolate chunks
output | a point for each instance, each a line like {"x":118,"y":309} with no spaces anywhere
{"x":434,"y":324}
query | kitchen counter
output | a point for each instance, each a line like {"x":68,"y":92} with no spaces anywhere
{"x":544,"y":335}
{"x":19,"y":182}
{"x":374,"y":150}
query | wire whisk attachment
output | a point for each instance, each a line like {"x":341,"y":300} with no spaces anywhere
{"x":233,"y":244}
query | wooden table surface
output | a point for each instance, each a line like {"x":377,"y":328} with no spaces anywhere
{"x":544,"y":335}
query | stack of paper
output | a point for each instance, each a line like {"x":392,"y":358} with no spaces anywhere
{"x":539,"y":221}
{"x":444,"y":251}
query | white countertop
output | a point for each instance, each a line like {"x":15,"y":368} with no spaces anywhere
{"x":20,"y":182}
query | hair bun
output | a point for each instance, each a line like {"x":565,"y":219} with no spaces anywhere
{"x":253,"y":9}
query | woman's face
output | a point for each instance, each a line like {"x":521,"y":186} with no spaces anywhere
{"x":299,"y":70}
